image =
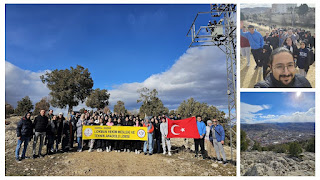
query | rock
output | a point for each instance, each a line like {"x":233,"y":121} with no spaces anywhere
{"x":214,"y":165}
{"x":252,"y":171}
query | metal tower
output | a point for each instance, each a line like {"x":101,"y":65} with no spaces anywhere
{"x":221,"y":32}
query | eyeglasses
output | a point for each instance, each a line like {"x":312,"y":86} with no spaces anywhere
{"x":281,"y":67}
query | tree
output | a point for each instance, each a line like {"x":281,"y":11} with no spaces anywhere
{"x":171,"y":112}
{"x":106,"y":110}
{"x":24,"y":105}
{"x":98,"y":99}
{"x":119,"y":108}
{"x":152,"y":105}
{"x":302,"y":10}
{"x":295,"y":149}
{"x":256,"y":146}
{"x":9,"y":109}
{"x":191,"y":107}
{"x":82,"y":110}
{"x":311,"y":145}
{"x":68,"y":87}
{"x":243,"y":140}
{"x":42,"y":104}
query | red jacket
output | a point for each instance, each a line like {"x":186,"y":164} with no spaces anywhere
{"x":150,"y":129}
{"x":244,"y":42}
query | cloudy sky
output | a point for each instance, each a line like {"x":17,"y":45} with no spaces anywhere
{"x":275,"y":107}
{"x":125,"y":47}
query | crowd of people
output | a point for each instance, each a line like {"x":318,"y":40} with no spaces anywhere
{"x":299,"y":42}
{"x":56,"y":130}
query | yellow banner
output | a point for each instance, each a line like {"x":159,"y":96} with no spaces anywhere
{"x":115,"y":132}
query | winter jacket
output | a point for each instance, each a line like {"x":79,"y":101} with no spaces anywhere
{"x":66,"y":128}
{"x":79,"y":128}
{"x":40,"y":123}
{"x":51,"y":129}
{"x":157,"y":132}
{"x":298,"y":81}
{"x":303,"y":60}
{"x":219,"y":133}
{"x":265,"y":57}
{"x":201,"y":128}
{"x":59,"y":125}
{"x":164,"y":129}
{"x":255,"y":39}
{"x":150,"y":127}
{"x":293,"y":49}
{"x":24,"y":127}
{"x":244,"y":42}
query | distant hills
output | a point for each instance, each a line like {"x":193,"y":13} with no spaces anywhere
{"x":298,"y":127}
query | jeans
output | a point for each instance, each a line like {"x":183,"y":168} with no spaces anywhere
{"x":24,"y":140}
{"x":150,"y":140}
{"x":35,"y":140}
{"x":50,"y":139}
{"x":200,"y":142}
{"x":256,"y":55}
{"x":79,"y":140}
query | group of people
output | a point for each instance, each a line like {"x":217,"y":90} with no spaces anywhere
{"x":53,"y":130}
{"x":279,"y":40}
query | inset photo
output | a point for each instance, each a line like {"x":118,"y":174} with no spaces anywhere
{"x":277,"y":134}
{"x":277,"y":46}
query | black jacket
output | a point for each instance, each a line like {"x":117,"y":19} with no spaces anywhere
{"x":298,"y":81}
{"x":51,"y":129}
{"x":40,"y":123}
{"x":24,"y":127}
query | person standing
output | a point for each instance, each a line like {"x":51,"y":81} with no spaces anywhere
{"x":217,"y":138}
{"x":150,"y":129}
{"x":255,"y":40}
{"x":109,"y":142}
{"x":59,"y":127}
{"x":24,"y":134}
{"x":51,"y":134}
{"x":157,"y":135}
{"x":245,"y":47}
{"x":40,"y":125}
{"x":200,"y":142}
{"x":164,"y":133}
{"x":79,"y":125}
{"x":207,"y":143}
{"x":303,"y":59}
{"x":65,"y":135}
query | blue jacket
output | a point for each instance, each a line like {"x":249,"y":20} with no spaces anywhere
{"x":219,"y":132}
{"x":201,"y":128}
{"x":255,"y":39}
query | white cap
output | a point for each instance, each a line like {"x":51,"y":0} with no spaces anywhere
{"x":61,"y":113}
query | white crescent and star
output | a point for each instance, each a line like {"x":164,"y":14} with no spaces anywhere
{"x":172,"y":129}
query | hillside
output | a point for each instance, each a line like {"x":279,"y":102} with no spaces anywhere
{"x":181,"y":163}
{"x":268,"y":163}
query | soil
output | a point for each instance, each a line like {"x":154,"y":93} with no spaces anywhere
{"x":181,"y":163}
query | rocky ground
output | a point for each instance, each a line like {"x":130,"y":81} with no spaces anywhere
{"x":268,"y":163}
{"x":181,"y":163}
{"x":249,"y":77}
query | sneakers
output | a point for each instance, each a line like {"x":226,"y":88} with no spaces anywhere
{"x":136,"y":151}
{"x":128,"y":150}
{"x":18,"y":160}
{"x":107,"y":149}
{"x":124,"y":150}
{"x":169,"y":153}
{"x":34,"y":156}
{"x":145,"y":153}
{"x":150,"y":154}
{"x":196,"y":155}
{"x":90,"y":150}
{"x":219,"y":161}
{"x":99,"y":150}
{"x":164,"y":152}
{"x":79,"y":150}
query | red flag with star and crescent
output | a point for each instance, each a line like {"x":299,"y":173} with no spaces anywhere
{"x":184,"y":128}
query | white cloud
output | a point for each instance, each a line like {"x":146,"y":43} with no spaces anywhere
{"x":248,"y":112}
{"x":199,"y":73}
{"x":21,"y":83}
{"x":308,"y":116}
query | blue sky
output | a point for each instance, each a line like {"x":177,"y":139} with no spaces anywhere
{"x":264,"y":107}
{"x":118,"y":43}
{"x":125,"y":47}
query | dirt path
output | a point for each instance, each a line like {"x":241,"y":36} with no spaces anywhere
{"x":181,"y":163}
{"x":249,"y":77}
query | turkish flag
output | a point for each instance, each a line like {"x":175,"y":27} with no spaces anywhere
{"x":184,"y":128}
